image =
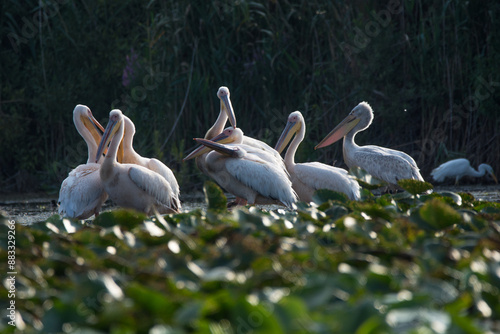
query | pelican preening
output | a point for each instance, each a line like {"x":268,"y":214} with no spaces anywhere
{"x":381,"y":162}
{"x":82,"y":193}
{"x":458,"y":168}
{"x":227,"y":113}
{"x":311,"y":176}
{"x":130,"y":185}
{"x":132,"y":157}
{"x":224,"y":94}
{"x":245,"y":171}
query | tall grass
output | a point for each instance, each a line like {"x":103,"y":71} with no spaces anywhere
{"x":429,"y":72}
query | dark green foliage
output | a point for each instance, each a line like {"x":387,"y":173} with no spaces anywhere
{"x":383,"y":265}
{"x":414,"y":187}
{"x":428,"y":70}
{"x":215,"y":198}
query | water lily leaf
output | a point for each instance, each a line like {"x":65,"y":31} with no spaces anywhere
{"x":415,"y":187}
{"x":219,"y":274}
{"x":188,"y":313}
{"x":374,"y":210}
{"x":442,"y":292}
{"x":249,"y":318}
{"x":456,"y":198}
{"x":403,"y":319}
{"x":121,"y":217}
{"x":214,"y":197}
{"x":366,"y":180}
{"x":336,"y":211}
{"x":324,"y":195}
{"x":147,"y":299}
{"x":439,"y":215}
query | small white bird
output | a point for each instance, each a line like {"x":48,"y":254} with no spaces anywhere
{"x":130,"y":156}
{"x":311,"y":176}
{"x":247,"y":172}
{"x":130,"y":185}
{"x":82,"y":193}
{"x":458,"y":168}
{"x":383,"y":163}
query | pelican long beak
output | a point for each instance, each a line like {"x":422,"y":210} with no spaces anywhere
{"x":234,"y":152}
{"x":228,"y":108}
{"x":93,"y":126}
{"x":290,"y":129}
{"x":108,"y":134}
{"x":339,"y":131}
{"x":222,"y":138}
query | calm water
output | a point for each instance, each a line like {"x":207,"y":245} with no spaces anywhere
{"x":28,"y":209}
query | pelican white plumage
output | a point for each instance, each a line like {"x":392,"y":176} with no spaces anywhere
{"x":245,"y":171}
{"x":82,"y":193}
{"x":130,"y":185}
{"x":226,"y":112}
{"x":383,"y":163}
{"x":458,"y":168}
{"x":311,"y":176}
{"x":130,"y":156}
{"x":225,"y":96}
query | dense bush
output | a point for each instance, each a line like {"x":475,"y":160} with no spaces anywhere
{"x":427,"y":68}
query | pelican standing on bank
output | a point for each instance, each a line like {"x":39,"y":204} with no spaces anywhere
{"x":130,"y":185}
{"x":381,"y":162}
{"x":245,"y":171}
{"x":311,"y":176}
{"x":130,"y":156}
{"x":82,"y":193}
{"x":458,"y":168}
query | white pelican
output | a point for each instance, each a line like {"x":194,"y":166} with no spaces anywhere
{"x":381,"y":162}
{"x":129,"y":185}
{"x":245,"y":171}
{"x":224,"y":95}
{"x":458,"y":168}
{"x":226,"y":112}
{"x":82,"y":194}
{"x":130,"y":156}
{"x":311,"y":176}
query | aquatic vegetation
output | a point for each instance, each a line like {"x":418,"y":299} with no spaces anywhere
{"x":386,"y":264}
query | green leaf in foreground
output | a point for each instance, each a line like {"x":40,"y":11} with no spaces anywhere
{"x":439,"y":215}
{"x":215,"y":198}
{"x":324,"y":195}
{"x":122,"y":217}
{"x":415,"y":187}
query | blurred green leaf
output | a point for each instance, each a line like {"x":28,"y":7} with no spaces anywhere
{"x":439,"y":215}
{"x":415,"y":187}
{"x":121,"y":217}
{"x":324,"y":195}
{"x":214,"y":197}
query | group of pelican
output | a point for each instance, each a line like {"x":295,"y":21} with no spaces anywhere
{"x":128,"y":179}
{"x":251,"y":170}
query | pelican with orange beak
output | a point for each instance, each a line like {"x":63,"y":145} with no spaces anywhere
{"x":311,"y":176}
{"x":381,"y":162}
{"x":245,"y":171}
{"x":82,"y":193}
{"x":130,"y":185}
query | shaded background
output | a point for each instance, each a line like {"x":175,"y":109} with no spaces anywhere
{"x":428,"y":68}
